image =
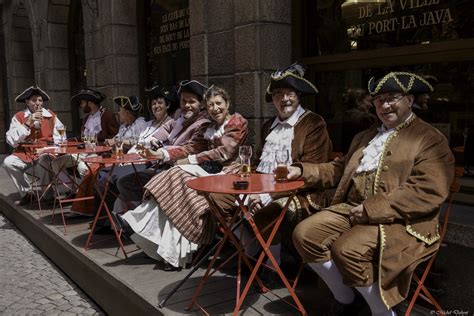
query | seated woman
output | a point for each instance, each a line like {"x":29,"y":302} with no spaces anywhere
{"x":173,"y":219}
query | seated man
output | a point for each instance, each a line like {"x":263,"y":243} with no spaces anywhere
{"x":35,"y":123}
{"x":180,"y":137}
{"x":383,"y":220}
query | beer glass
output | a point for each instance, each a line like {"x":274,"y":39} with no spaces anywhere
{"x":281,"y":170}
{"x":119,"y":147}
{"x":245,"y":154}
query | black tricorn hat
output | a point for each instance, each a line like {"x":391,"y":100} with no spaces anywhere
{"x":192,"y":86}
{"x":131,"y":103}
{"x":161,"y":92}
{"x":89,"y":95}
{"x":406,"y":82}
{"x":33,"y":90}
{"x":291,"y":77}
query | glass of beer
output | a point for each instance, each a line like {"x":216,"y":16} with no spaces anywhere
{"x":245,"y":154}
{"x":62,"y":132}
{"x":119,"y":147}
{"x":281,"y":170}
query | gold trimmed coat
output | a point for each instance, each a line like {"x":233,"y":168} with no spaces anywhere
{"x":413,"y":178}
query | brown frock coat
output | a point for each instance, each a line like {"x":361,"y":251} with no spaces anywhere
{"x":412,"y":179}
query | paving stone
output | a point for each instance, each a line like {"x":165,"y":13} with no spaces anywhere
{"x":35,"y":287}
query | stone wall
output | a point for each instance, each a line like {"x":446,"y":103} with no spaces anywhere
{"x":111,"y":47}
{"x":237,"y":44}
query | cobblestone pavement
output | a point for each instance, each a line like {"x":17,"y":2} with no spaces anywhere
{"x":31,"y":285}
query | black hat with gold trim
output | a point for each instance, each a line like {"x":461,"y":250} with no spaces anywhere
{"x":291,"y":77}
{"x":89,"y":95}
{"x":131,"y":103}
{"x":161,"y":92}
{"x":33,"y":90}
{"x":192,"y":86}
{"x":406,"y":82}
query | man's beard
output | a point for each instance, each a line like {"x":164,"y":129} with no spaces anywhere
{"x":189,"y":115}
{"x":86,"y":109}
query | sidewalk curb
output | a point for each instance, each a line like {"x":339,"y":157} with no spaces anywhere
{"x":113,"y":296}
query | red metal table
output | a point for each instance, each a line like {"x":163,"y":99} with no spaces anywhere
{"x":258,"y":183}
{"x":70,"y":149}
{"x":113,"y":162}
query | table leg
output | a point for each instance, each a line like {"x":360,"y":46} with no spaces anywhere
{"x":104,"y":206}
{"x":265,"y":245}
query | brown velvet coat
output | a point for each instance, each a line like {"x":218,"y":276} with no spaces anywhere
{"x":412,"y":180}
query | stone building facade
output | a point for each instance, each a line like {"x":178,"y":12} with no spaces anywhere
{"x":65,"y":45}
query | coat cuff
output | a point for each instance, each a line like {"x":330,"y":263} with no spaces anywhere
{"x":378,"y":210}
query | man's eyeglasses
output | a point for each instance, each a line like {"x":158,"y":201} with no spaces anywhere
{"x":280,"y":95}
{"x":390,"y":100}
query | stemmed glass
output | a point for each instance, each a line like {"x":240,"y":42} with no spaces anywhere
{"x":281,"y":170}
{"x":62,"y":132}
{"x":245,"y":154}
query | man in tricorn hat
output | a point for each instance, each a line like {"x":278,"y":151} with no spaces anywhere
{"x":98,"y":121}
{"x":300,"y":133}
{"x":35,"y":123}
{"x":383,"y":220}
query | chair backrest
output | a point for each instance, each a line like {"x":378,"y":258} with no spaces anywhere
{"x":455,"y":187}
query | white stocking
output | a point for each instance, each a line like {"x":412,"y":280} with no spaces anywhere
{"x":372,"y":295}
{"x":330,"y":274}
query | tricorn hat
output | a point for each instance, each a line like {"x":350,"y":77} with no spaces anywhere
{"x":192,"y":86}
{"x":161,"y":92}
{"x":131,"y":103}
{"x":406,"y":82}
{"x":89,"y":95}
{"x":33,"y":90}
{"x":290,"y":77}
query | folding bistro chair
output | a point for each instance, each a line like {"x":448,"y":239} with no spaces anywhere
{"x":426,"y":295}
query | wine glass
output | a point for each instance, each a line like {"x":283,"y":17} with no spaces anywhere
{"x":281,"y":160}
{"x":245,"y":154}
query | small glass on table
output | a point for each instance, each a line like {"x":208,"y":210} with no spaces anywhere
{"x":245,"y":154}
{"x":62,"y":133}
{"x":281,"y":170}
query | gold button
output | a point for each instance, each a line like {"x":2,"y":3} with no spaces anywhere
{"x":385,"y":168}
{"x":389,"y":153}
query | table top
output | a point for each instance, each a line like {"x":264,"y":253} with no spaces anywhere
{"x":127,"y":158}
{"x":75,"y":150}
{"x":258,"y":183}
{"x":69,"y":143}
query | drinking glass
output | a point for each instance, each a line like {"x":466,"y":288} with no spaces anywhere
{"x":62,"y":132}
{"x":119,"y":147}
{"x":245,"y":154}
{"x":281,"y":170}
{"x":93,"y":140}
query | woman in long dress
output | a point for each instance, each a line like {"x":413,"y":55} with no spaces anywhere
{"x":174,"y":220}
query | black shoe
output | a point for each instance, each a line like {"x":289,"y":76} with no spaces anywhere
{"x":168,"y":267}
{"x":24,"y":200}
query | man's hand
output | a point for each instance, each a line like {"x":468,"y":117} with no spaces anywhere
{"x":358,"y":215}
{"x":294,"y":173}
{"x":35,"y":116}
{"x":254,"y":203}
{"x":184,"y":161}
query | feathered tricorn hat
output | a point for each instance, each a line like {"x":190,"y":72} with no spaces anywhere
{"x":406,"y":82}
{"x":290,"y":77}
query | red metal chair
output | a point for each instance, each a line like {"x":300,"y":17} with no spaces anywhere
{"x":426,"y":295}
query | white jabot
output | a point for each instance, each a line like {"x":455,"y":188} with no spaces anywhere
{"x":280,"y":138}
{"x":92,"y":125}
{"x":374,"y":149}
